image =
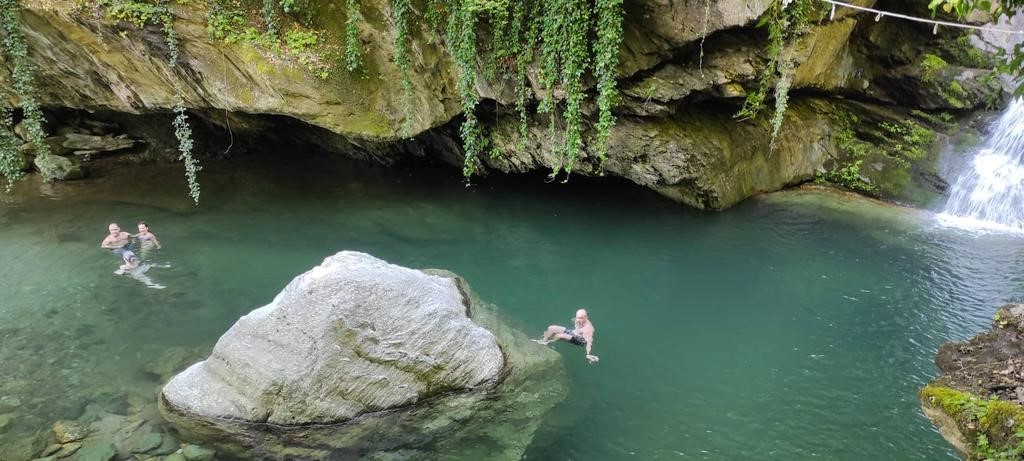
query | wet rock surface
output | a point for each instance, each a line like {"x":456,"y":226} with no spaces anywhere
{"x":978,"y":401}
{"x":361,"y":356}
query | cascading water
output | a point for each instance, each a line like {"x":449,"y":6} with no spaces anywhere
{"x":990,"y":194}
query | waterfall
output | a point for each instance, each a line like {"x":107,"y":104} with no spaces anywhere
{"x":990,"y":193}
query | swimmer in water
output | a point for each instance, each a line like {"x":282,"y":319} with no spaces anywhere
{"x":581,"y":335}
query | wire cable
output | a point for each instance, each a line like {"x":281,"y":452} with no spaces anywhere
{"x":937,"y":23}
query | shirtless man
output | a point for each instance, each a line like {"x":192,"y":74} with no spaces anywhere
{"x":581,"y":335}
{"x":117,"y":241}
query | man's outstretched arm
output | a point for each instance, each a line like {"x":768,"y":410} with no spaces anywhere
{"x":590,"y":344}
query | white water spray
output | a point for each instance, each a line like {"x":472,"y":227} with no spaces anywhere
{"x":990,"y":194}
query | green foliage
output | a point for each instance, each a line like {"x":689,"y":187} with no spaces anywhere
{"x":931,"y":65}
{"x":400,"y":9}
{"x":270,"y":17}
{"x":568,"y":39}
{"x":300,"y":41}
{"x":224,"y":21}
{"x":15,"y":52}
{"x":1011,"y":63}
{"x":910,"y":140}
{"x":849,"y":174}
{"x":182,"y":130}
{"x":994,"y":419}
{"x":133,"y":12}
{"x":462,"y":21}
{"x":606,"y":60}
{"x":785,"y":23}
{"x":141,"y":14}
{"x":10,"y":157}
{"x":353,"y":44}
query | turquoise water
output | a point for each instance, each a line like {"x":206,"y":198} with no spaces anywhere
{"x":793,"y":326}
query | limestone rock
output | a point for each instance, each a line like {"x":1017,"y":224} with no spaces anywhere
{"x":77,"y":141}
{"x":60,"y":168}
{"x":21,"y":131}
{"x":355,"y":323}
{"x":96,"y":450}
{"x":148,"y":442}
{"x":69,"y":431}
{"x":985,"y":372}
{"x":68,"y":449}
{"x":399,"y":356}
{"x":197,"y":453}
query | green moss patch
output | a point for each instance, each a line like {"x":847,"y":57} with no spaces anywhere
{"x":996,"y":425}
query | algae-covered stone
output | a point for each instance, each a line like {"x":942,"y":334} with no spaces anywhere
{"x":197,"y":453}
{"x":379,"y":357}
{"x":69,"y":431}
{"x":68,"y":449}
{"x":61,"y":168}
{"x":5,"y":420}
{"x":148,"y":442}
{"x":978,"y":392}
{"x":96,"y":450}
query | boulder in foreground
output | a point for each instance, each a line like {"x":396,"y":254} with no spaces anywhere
{"x":358,"y":357}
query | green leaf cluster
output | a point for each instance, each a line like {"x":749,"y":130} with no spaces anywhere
{"x":568,"y":40}
{"x":15,"y":51}
{"x":786,"y":22}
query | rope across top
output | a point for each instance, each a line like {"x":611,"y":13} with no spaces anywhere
{"x":880,"y":14}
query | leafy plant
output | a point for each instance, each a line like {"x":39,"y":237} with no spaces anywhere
{"x":400,"y":9}
{"x":786,"y":21}
{"x":353,"y":45}
{"x":23,"y":86}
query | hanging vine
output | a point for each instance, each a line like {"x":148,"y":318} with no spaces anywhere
{"x":606,"y":61}
{"x":23,"y":87}
{"x":353,"y":45}
{"x":461,"y":28}
{"x":400,"y":9}
{"x":10,"y":157}
{"x":182,"y":130}
{"x":786,"y":21}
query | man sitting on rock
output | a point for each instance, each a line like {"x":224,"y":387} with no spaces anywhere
{"x":581,"y":335}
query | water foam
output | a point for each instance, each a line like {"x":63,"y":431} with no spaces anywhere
{"x":989,"y":196}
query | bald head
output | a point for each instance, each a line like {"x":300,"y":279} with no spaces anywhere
{"x":581,"y":314}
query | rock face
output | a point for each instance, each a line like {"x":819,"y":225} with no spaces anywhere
{"x":977,"y":401}
{"x":684,"y":69}
{"x":385,"y":354}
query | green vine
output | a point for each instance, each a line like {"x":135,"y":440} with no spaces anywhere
{"x":606,"y":60}
{"x":353,"y":45}
{"x":786,"y":21}
{"x":23,"y":87}
{"x":401,"y":9}
{"x":10,"y":158}
{"x":462,"y":35}
{"x":182,"y":130}
{"x":270,"y":17}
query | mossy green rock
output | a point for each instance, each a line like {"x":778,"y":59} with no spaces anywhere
{"x":197,"y":453}
{"x":60,"y":168}
{"x":978,"y":392}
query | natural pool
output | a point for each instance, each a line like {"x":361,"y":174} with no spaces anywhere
{"x":794,"y":326}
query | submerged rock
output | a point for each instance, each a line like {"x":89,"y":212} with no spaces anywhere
{"x":378,"y":357}
{"x":977,"y":400}
{"x":56,"y":167}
